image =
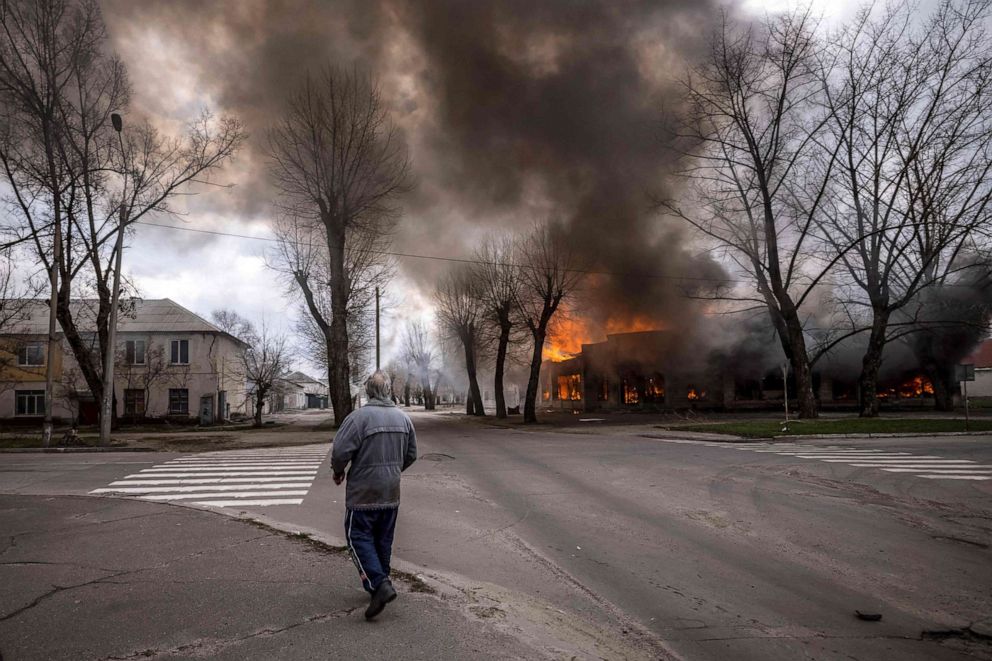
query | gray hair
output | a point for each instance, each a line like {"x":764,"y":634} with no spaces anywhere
{"x":378,"y":386}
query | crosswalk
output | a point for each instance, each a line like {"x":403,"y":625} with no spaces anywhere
{"x":263,"y":477}
{"x":926,"y":466}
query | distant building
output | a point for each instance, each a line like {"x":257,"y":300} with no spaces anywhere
{"x":295,"y":391}
{"x":314,"y":391}
{"x":982,"y":360}
{"x":170,"y":363}
{"x":660,"y":369}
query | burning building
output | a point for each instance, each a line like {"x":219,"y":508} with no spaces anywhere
{"x":632,"y":369}
{"x":660,"y":369}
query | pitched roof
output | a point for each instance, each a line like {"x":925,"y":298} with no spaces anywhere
{"x":148,"y":316}
{"x":982,"y":356}
{"x":300,"y":378}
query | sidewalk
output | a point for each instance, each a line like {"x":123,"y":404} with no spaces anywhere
{"x":88,"y":578}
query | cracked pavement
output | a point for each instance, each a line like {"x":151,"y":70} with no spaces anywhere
{"x":88,"y":578}
{"x":544,"y":542}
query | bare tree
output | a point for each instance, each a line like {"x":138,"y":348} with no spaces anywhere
{"x":264,"y":356}
{"x":909,"y":116}
{"x":398,"y":375}
{"x":759,"y":176}
{"x":141,"y":372}
{"x":13,"y":302}
{"x":460,"y":311}
{"x":75,"y":182}
{"x":499,"y":283}
{"x":549,"y":274}
{"x":420,"y":354}
{"x":339,"y":165}
{"x":232,"y":323}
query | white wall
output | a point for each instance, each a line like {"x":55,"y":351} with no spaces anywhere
{"x":982,"y":385}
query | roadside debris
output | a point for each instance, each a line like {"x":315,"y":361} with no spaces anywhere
{"x":868,"y":617}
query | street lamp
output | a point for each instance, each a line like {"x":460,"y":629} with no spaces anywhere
{"x":108,"y":360}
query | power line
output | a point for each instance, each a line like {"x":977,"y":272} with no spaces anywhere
{"x":440,"y":258}
{"x":460,"y":260}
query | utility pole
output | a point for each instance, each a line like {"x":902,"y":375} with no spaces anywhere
{"x":108,"y":360}
{"x":53,"y":281}
{"x":377,"y":328}
{"x":53,"y":340}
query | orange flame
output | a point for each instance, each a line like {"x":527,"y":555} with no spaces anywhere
{"x":918,"y":386}
{"x":570,"y":333}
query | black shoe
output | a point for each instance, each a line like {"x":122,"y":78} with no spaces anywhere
{"x":382,"y":596}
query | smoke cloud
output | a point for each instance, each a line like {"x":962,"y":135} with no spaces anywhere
{"x":513,"y":111}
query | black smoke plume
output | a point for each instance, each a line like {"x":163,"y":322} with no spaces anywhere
{"x":514,"y":111}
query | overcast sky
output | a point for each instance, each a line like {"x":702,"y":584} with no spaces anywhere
{"x":512,"y":112}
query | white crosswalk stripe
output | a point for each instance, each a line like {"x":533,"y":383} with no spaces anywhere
{"x":236,"y":478}
{"x":929,"y":466}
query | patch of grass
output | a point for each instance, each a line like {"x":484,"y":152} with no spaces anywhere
{"x":772,"y":428}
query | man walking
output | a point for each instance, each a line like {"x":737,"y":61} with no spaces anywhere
{"x":379,"y":442}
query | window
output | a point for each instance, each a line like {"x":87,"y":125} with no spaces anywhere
{"x":31,"y":355}
{"x":134,"y":352}
{"x":30,"y":402}
{"x":134,"y":403}
{"x":179,"y":400}
{"x":179,"y":354}
{"x":570,"y":387}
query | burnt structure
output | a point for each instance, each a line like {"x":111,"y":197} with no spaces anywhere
{"x":666,"y":370}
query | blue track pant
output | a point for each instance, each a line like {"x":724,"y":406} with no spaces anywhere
{"x":370,"y":540}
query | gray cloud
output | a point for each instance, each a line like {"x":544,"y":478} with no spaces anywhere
{"x":513,"y":111}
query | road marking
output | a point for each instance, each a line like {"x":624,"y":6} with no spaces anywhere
{"x":931,"y":467}
{"x":911,"y":460}
{"x":254,"y":503}
{"x":238,"y":474}
{"x":226,"y":479}
{"x":246,"y":462}
{"x":814,"y":455}
{"x":919,"y":465}
{"x":236,"y":494}
{"x":957,"y":477}
{"x":938,"y":470}
{"x":219,"y":469}
{"x":192,"y":489}
{"x":215,"y":480}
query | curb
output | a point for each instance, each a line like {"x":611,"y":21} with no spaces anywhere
{"x":73,"y":450}
{"x":793,"y":437}
{"x":730,"y":438}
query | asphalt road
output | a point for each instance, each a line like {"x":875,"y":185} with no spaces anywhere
{"x":698,"y":550}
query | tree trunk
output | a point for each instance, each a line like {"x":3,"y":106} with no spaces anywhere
{"x":504,"y":341}
{"x":340,"y":381}
{"x":82,"y":353}
{"x":871,"y":363}
{"x":425,"y":386}
{"x":941,"y":378}
{"x":943,"y":390}
{"x":406,"y":391}
{"x":794,"y":345}
{"x":533,"y":381}
{"x":339,"y":375}
{"x":474,"y":394}
{"x":259,"y":405}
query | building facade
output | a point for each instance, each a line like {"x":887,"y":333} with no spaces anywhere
{"x":663,"y":370}
{"x":170,"y":363}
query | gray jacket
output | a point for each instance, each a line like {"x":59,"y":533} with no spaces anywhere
{"x":379,"y":442}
